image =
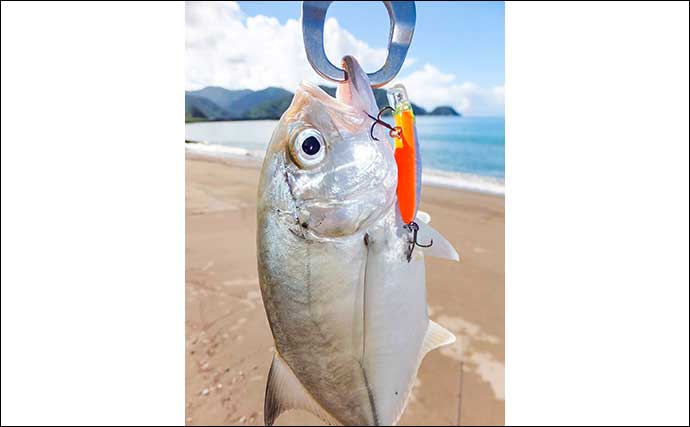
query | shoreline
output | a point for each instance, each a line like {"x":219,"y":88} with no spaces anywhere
{"x":455,"y":181}
{"x":228,"y":343}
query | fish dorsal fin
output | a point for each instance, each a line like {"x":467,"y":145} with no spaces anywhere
{"x":441,"y":247}
{"x":436,"y":336}
{"x":284,"y":392}
{"x":423,"y":217}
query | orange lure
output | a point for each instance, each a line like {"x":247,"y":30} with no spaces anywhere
{"x":407,"y":154}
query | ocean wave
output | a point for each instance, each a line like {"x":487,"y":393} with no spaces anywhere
{"x":433,"y":177}
{"x":464,"y":181}
{"x":223,"y":151}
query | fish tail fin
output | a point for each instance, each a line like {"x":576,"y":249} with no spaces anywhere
{"x":284,"y":392}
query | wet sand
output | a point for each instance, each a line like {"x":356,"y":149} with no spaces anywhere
{"x":228,"y":343}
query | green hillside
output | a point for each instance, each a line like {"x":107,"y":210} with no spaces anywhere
{"x":444,"y":111}
{"x":198,"y":107}
{"x":217,"y":103}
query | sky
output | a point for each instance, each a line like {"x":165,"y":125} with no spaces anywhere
{"x":456,"y":57}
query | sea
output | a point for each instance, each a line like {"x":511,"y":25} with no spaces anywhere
{"x":457,"y":152}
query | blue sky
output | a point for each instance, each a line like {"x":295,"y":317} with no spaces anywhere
{"x":456,"y":57}
{"x":464,"y":38}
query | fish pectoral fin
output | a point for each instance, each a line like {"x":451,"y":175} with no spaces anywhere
{"x":285,"y":392}
{"x":423,"y":217}
{"x":441,"y":247}
{"x":436,"y":336}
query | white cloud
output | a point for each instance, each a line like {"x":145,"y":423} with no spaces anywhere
{"x":429,"y":87}
{"x":226,"y":48}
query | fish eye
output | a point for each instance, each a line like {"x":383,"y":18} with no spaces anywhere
{"x":308,"y":148}
{"x":311,"y":146}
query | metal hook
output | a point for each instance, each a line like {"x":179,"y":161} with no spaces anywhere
{"x":394,"y":132}
{"x":413,"y":227}
{"x":402,"y":16}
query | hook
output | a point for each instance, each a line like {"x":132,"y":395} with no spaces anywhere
{"x":394,"y":132}
{"x":413,"y":227}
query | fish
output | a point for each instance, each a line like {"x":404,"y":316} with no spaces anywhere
{"x":346,"y":308}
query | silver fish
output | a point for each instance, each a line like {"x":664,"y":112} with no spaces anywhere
{"x":347,"y":310}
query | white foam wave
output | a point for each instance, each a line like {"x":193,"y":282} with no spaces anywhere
{"x":223,"y":151}
{"x":465,"y":181}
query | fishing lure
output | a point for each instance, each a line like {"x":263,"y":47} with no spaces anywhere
{"x":407,"y":157}
{"x":407,"y":154}
{"x":409,"y":161}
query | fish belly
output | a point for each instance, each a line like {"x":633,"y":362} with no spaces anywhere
{"x":396,"y":318}
{"x":314,"y":299}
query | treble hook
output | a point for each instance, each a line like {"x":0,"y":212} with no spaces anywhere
{"x":394,"y":132}
{"x":414,"y":228}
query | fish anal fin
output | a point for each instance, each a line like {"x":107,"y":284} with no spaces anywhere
{"x":436,"y":336}
{"x":284,"y":392}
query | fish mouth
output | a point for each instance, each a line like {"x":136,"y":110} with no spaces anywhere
{"x":356,"y":89}
{"x":329,"y":101}
{"x":354,"y":73}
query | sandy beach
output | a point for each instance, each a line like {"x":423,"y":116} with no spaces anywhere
{"x":228,"y":342}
